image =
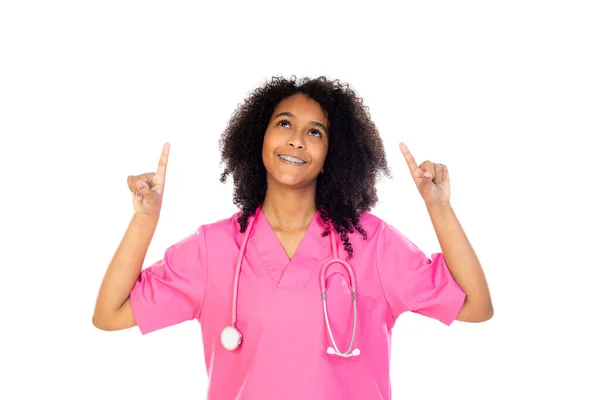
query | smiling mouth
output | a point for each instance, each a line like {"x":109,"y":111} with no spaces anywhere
{"x":291,"y":159}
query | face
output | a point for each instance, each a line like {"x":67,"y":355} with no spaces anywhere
{"x":295,"y":143}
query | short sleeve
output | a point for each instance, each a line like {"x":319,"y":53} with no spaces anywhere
{"x":411,"y":281}
{"x":171,"y":290}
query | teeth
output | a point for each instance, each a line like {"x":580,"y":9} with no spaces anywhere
{"x":292,"y":159}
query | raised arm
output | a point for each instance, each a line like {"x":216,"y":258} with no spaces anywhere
{"x":113,"y":308}
{"x":432,"y":181}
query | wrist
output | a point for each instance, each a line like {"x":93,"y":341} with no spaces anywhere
{"x":439,"y":207}
{"x":146,"y":218}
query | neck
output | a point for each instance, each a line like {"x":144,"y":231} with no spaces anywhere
{"x":289,"y":209}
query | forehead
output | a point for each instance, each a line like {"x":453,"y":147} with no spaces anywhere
{"x":301,"y":106}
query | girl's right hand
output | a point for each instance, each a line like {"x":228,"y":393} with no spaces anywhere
{"x":147,"y":189}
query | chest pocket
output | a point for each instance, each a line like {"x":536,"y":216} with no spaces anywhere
{"x":340,"y":311}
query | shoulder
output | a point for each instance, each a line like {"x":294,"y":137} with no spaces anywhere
{"x":222,"y":222}
{"x":371,"y":223}
{"x":228,"y":226}
{"x":213,"y":234}
{"x":378,"y":229}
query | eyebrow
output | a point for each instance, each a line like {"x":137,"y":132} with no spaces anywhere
{"x":289,"y":114}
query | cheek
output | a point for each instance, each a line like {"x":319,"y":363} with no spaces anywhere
{"x":267,"y":143}
{"x":270,"y":144}
{"x":272,"y":139}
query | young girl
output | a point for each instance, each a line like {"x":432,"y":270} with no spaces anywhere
{"x":296,"y":293}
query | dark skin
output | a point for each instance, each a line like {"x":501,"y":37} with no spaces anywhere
{"x":297,"y":128}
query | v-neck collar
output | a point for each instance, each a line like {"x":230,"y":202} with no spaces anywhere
{"x":286,"y":273}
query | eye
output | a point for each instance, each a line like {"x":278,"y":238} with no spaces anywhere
{"x":316,"y":132}
{"x":283,"y":123}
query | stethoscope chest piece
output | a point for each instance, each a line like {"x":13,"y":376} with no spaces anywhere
{"x":230,"y":338}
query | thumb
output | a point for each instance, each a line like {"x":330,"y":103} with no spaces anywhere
{"x":142,"y":188}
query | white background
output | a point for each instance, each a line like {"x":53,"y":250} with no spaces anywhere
{"x":507,"y":94}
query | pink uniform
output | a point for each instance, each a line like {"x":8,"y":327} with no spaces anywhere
{"x":283,"y":354}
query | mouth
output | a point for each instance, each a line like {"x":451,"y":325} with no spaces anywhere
{"x":290,"y":159}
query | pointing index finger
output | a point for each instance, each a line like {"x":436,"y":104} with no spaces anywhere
{"x":161,"y":170}
{"x":410,"y":160}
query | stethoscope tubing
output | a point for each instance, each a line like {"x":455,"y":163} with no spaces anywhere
{"x":335,"y":259}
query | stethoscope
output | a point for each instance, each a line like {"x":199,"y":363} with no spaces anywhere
{"x":231,"y":337}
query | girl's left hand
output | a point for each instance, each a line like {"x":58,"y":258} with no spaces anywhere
{"x":431,"y":179}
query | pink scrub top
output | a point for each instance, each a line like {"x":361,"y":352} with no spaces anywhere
{"x":283,"y":354}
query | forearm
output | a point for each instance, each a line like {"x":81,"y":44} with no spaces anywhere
{"x":125,"y":266}
{"x":462,"y":263}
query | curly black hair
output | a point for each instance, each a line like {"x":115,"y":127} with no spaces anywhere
{"x":355,"y":159}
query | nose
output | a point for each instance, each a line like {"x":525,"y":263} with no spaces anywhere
{"x":296,"y":141}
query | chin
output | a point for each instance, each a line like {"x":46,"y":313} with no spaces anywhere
{"x":295,"y":182}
